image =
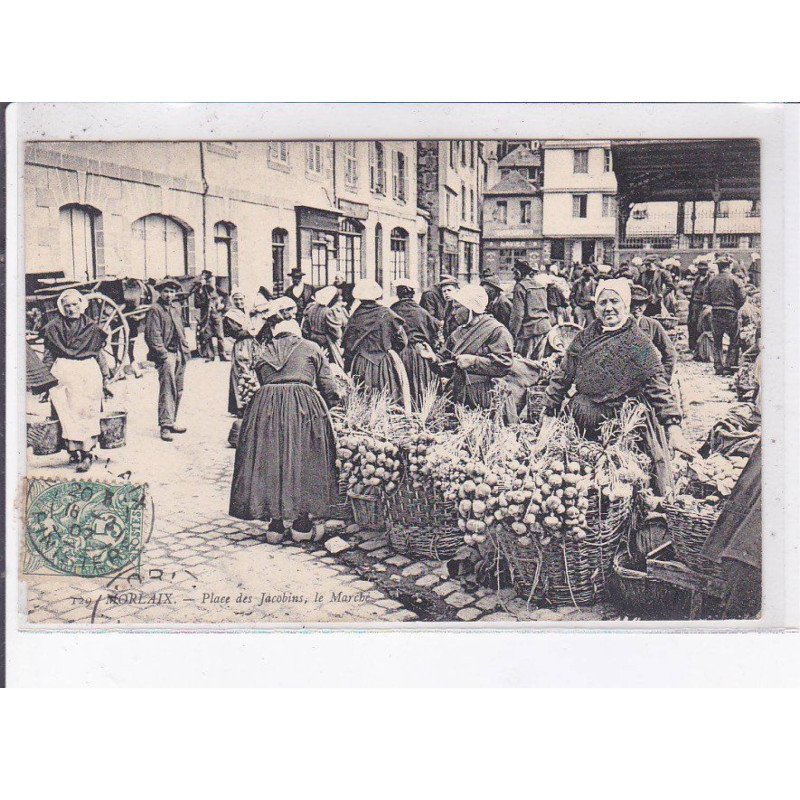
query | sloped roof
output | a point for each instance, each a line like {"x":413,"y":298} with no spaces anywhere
{"x":513,"y":184}
{"x":521,"y":156}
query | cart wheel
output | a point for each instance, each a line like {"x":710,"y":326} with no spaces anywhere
{"x":109,"y":316}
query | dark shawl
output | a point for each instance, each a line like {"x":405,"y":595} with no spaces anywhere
{"x":372,"y":332}
{"x":419,"y":324}
{"x":79,"y":338}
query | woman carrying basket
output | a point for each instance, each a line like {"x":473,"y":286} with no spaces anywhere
{"x":611,"y":360}
{"x":73,"y":352}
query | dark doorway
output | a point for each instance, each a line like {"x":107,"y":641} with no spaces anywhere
{"x":587,"y":251}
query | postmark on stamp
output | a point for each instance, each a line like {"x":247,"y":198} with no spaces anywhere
{"x":86,"y":528}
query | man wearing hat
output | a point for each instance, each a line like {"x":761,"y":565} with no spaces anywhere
{"x":755,"y":270}
{"x":168,"y":349}
{"x":299,"y":291}
{"x":530,"y":318}
{"x":499,"y":305}
{"x":696,"y":302}
{"x":435,"y":301}
{"x":658,"y":283}
{"x":725,"y":294}
{"x":654,"y":330}
{"x":372,"y":341}
{"x":422,"y":329}
{"x":324,"y":323}
{"x":211,"y":305}
{"x":583,"y":290}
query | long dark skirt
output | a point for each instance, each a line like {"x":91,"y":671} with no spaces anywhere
{"x":419,"y":371}
{"x":377,"y":377}
{"x":286,"y":456}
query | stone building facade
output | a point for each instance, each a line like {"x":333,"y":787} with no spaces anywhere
{"x":451,"y":178}
{"x":247,"y":211}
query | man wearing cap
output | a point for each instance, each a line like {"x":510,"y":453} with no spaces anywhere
{"x":583,"y":296}
{"x":499,"y":305}
{"x":324,"y":323}
{"x":477,"y":353}
{"x":654,"y":330}
{"x":696,"y":302}
{"x":658,"y":283}
{"x":372,"y":341}
{"x":422,"y":329}
{"x":754,"y":271}
{"x":725,"y":294}
{"x":435,"y":301}
{"x":211,"y":305}
{"x":530,"y":318}
{"x":299,"y":291}
{"x":168,"y":349}
{"x":345,"y":290}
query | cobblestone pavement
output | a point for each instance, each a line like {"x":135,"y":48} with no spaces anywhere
{"x":201,"y":566}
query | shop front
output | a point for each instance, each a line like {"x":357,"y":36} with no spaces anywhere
{"x":328,"y":244}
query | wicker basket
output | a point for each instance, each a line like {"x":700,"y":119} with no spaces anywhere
{"x":524,"y":563}
{"x":535,"y":401}
{"x":420,"y":523}
{"x":341,"y":509}
{"x":689,"y":531}
{"x":577,"y":572}
{"x":367,"y":510}
{"x":639,"y":594}
{"x":44,"y":437}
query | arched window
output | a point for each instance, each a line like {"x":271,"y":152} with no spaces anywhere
{"x":279,"y":237}
{"x":226,"y":252}
{"x":161,"y":246}
{"x":399,"y":248}
{"x":379,"y":254}
{"x":350,"y":260}
{"x":81,"y":240}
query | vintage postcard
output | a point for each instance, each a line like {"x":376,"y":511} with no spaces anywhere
{"x":362,"y":382}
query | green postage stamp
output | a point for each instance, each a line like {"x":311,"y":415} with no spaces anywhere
{"x":85,"y":528}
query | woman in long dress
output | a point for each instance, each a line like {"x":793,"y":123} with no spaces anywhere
{"x":249,"y":337}
{"x":372,"y":341}
{"x":74,"y":355}
{"x":285,"y":468}
{"x":611,"y":360}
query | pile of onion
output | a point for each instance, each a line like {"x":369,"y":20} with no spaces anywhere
{"x":368,"y":463}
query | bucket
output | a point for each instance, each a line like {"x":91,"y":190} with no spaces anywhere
{"x":112,"y":430}
{"x":44,"y":436}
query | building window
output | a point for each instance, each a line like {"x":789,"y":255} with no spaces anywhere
{"x":607,"y":159}
{"x":378,"y":254}
{"x":723,"y":210}
{"x":468,"y":263}
{"x":81,"y":242}
{"x":450,"y":200}
{"x":609,"y":205}
{"x":160,"y":247}
{"x":463,"y":202}
{"x":399,"y":248}
{"x":350,"y":240}
{"x":377,"y":168}
{"x":399,"y":180}
{"x":729,"y":240}
{"x":320,"y":246}
{"x":755,"y":240}
{"x":472,"y":205}
{"x":279,"y":238}
{"x":453,"y":145}
{"x":580,"y":161}
{"x":525,"y":212}
{"x":350,"y":165}
{"x":579,"y":205}
{"x":472,"y":154}
{"x":501,"y":212}
{"x":755,"y":209}
{"x":314,"y":157}
{"x":225,"y":251}
{"x":279,"y":153}
{"x":509,"y":255}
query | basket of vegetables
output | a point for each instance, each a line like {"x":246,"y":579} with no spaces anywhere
{"x":690,"y":521}
{"x":639,"y":594}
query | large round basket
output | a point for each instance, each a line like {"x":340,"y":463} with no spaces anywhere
{"x":367,"y":511}
{"x":578,"y":571}
{"x":44,"y":436}
{"x":112,"y":430}
{"x":524,"y":562}
{"x":640,"y":595}
{"x":689,"y":531}
{"x":420,"y":523}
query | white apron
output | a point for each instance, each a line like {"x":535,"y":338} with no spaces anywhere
{"x":78,"y":398}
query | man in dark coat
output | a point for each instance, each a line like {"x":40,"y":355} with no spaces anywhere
{"x":696,"y":303}
{"x":168,"y":349}
{"x":436,"y":300}
{"x":654,"y":329}
{"x":499,"y":305}
{"x":422,"y":329}
{"x":210,"y":304}
{"x":583,"y":296}
{"x":725,"y":294}
{"x":530,"y":318}
{"x":658,"y":283}
{"x":299,"y":291}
